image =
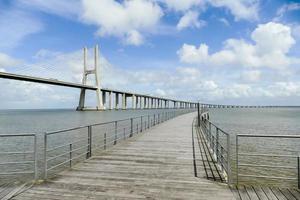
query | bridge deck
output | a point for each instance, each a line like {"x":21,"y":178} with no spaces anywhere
{"x":155,"y":165}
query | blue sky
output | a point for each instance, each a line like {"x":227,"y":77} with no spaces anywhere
{"x":216,"y":51}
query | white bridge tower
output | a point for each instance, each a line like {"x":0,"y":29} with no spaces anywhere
{"x":96,"y":73}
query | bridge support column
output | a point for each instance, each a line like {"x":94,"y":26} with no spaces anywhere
{"x":133,"y":102}
{"x":104,"y":99}
{"x":124,"y":101}
{"x":117,"y":101}
{"x":137,"y":102}
{"x":110,"y":100}
{"x":87,"y":72}
{"x":151,"y":99}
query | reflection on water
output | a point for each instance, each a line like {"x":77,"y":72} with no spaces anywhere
{"x":281,"y":171}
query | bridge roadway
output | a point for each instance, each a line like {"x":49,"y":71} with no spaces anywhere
{"x":157,"y":164}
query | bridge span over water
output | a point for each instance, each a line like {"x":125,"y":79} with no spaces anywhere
{"x":139,"y":101}
{"x":108,"y":98}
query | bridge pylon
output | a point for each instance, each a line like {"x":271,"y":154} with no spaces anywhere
{"x":86,"y":72}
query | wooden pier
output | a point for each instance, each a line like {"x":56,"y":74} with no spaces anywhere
{"x":157,"y":164}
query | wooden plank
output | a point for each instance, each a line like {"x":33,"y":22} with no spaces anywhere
{"x":14,"y":191}
{"x":287,"y":194}
{"x":295,"y":193}
{"x":278,"y":194}
{"x":243,"y":193}
{"x":270,"y":195}
{"x":235,"y":192}
{"x":251,"y":193}
{"x":260,"y":193}
{"x":6,"y":189}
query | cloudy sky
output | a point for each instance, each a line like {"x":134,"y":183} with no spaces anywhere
{"x":215,"y":51}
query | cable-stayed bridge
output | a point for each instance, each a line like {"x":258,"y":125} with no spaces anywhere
{"x":120,"y":99}
{"x":112,"y":98}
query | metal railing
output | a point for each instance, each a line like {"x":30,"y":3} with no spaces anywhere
{"x":272,"y":166}
{"x":18,"y":155}
{"x":219,"y":144}
{"x":65,"y":147}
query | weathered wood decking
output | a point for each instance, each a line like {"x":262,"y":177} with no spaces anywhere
{"x":157,"y":164}
{"x":7,"y":190}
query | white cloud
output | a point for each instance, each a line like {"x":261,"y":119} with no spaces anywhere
{"x":127,"y":20}
{"x":182,"y":5}
{"x":287,"y":8}
{"x":251,"y":75}
{"x":272,"y":37}
{"x":65,"y":8}
{"x":240,"y":9}
{"x":134,"y":38}
{"x":191,"y":54}
{"x":285,"y":89}
{"x":296,"y":31}
{"x":15,"y":25}
{"x":224,"y":21}
{"x":7,"y":61}
{"x":190,"y":19}
{"x":272,"y":43}
{"x":160,"y":92}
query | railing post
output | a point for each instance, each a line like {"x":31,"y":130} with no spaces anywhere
{"x":228,"y":160}
{"x":198,"y":108}
{"x":35,"y":158}
{"x":210,"y":133}
{"x":71,"y":149}
{"x":141,"y":123}
{"x":131,"y":127}
{"x":104,"y":141}
{"x":116,"y":132}
{"x":237,"y":160}
{"x":298,"y":166}
{"x":89,"y":153}
{"x":154,"y":120}
{"x":148,"y":121}
{"x":222,"y":158}
{"x":217,"y":143}
{"x":45,"y":157}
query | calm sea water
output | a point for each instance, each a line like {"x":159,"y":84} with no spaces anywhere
{"x":258,"y":121}
{"x":39,"y":121}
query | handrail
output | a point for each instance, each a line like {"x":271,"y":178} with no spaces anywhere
{"x":32,"y":161}
{"x":105,"y":138}
{"x":99,"y":124}
{"x":221,"y":153}
{"x":240,"y":164}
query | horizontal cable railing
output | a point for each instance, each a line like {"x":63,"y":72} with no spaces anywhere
{"x":18,"y":156}
{"x":219,"y":145}
{"x":265,"y":163}
{"x":64,"y":148}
